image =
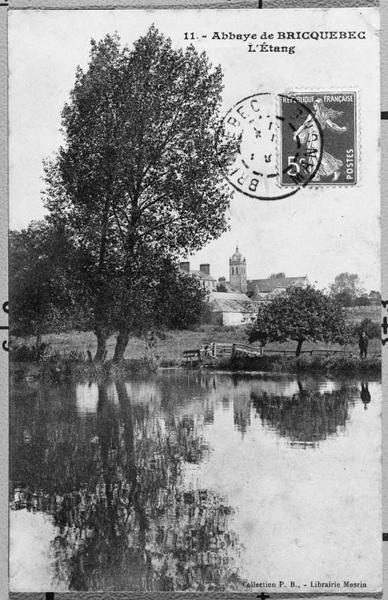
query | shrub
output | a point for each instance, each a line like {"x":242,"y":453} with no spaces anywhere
{"x":169,"y":362}
{"x":25,"y":353}
{"x":372,"y":328}
{"x":315,"y":363}
{"x":255,"y":363}
{"x":22,"y":353}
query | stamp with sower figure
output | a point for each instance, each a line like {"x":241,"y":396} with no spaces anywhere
{"x":334,"y":146}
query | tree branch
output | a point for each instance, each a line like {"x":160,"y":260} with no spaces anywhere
{"x":160,"y":225}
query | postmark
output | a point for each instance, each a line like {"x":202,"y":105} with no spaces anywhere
{"x":336,"y":114}
{"x":257,"y":124}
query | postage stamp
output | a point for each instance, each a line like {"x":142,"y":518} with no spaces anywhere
{"x":257,"y":124}
{"x":333,"y":122}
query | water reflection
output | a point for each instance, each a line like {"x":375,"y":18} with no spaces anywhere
{"x":114,"y":488}
{"x":306,"y":417}
{"x":136,"y":479}
{"x":365,"y":394}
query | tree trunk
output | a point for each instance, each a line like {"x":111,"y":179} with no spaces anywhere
{"x":37,"y":345}
{"x":121,"y":345}
{"x":299,"y":347}
{"x":102,"y":337}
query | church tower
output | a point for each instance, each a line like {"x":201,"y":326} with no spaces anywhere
{"x":238,"y":272}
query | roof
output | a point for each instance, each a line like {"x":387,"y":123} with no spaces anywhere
{"x":199,"y":274}
{"x":229,"y":302}
{"x":270,"y":285}
{"x":203,"y":275}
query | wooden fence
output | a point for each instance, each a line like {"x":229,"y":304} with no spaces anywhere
{"x":218,"y":350}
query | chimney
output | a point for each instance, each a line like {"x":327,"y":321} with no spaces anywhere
{"x":185,"y":266}
{"x":205,"y":268}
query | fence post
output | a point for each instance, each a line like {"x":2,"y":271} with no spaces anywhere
{"x":233,"y":349}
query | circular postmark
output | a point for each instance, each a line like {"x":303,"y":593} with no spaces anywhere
{"x":279,"y":145}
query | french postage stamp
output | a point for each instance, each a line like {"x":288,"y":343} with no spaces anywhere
{"x":257,"y":123}
{"x":327,"y":137}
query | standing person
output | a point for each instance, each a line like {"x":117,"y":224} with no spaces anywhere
{"x":363,"y":344}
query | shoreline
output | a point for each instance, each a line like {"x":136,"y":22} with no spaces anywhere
{"x":57,"y":369}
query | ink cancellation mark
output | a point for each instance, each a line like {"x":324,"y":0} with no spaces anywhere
{"x":336,"y":114}
{"x":257,"y":123}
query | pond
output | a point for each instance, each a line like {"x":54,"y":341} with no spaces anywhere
{"x":195,"y":480}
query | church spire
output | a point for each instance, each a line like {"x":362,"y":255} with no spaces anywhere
{"x":237,"y":271}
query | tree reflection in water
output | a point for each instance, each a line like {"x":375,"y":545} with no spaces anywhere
{"x":306,"y":417}
{"x":114,"y":485}
{"x":120,"y":480}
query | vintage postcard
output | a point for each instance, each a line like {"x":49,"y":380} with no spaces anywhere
{"x":194,"y":297}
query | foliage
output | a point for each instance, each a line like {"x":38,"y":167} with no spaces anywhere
{"x":139,"y":174}
{"x":221,"y":287}
{"x":372,"y":329}
{"x":206,"y":317}
{"x":42,"y":297}
{"x":299,"y":314}
{"x":374,"y":297}
{"x":345,"y":298}
{"x":160,"y":297}
{"x":362,"y":300}
{"x":277,"y":275}
{"x":306,"y":363}
{"x":346,"y":364}
{"x":181,"y":301}
{"x":346,"y":289}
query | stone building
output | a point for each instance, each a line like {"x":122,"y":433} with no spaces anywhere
{"x":267,"y":288}
{"x":207,"y":281}
{"x":230,"y":308}
{"x":256,"y":289}
{"x":238,"y":272}
{"x":231,"y":301}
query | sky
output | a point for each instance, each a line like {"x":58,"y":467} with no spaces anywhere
{"x":317,"y":232}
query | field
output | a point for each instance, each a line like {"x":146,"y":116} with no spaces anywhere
{"x":175,"y":342}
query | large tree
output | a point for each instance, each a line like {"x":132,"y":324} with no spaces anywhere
{"x":139,"y":171}
{"x":300,"y":314}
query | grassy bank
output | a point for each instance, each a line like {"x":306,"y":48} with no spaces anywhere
{"x":350,"y":364}
{"x":66,"y":356}
{"x":169,"y":350}
{"x":56,"y":370}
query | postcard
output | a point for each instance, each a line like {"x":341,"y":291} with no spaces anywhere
{"x":194,"y":301}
